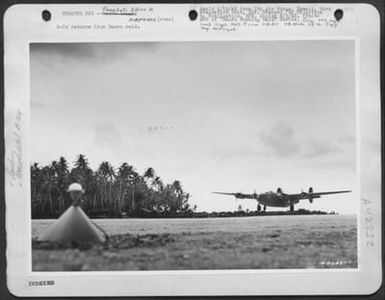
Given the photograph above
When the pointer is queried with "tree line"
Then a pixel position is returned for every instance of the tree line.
(109, 192)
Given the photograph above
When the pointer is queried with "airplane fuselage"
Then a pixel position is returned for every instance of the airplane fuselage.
(277, 199)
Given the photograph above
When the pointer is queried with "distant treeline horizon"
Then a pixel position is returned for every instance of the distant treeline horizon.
(118, 193)
(109, 192)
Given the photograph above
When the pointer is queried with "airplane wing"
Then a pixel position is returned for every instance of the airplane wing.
(238, 195)
(328, 193)
(221, 193)
(305, 195)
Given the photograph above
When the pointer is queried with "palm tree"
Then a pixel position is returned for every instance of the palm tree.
(148, 174)
(49, 178)
(131, 178)
(82, 172)
(106, 171)
(157, 184)
(177, 186)
(62, 172)
(36, 183)
(105, 177)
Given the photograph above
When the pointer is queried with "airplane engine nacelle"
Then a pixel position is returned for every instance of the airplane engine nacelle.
(310, 192)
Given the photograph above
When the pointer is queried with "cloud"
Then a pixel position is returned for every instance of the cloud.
(84, 52)
(235, 150)
(74, 50)
(280, 139)
(106, 134)
(316, 148)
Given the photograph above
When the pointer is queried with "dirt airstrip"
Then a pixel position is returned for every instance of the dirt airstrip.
(270, 242)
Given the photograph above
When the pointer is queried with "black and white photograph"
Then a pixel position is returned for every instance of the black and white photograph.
(192, 150)
(193, 155)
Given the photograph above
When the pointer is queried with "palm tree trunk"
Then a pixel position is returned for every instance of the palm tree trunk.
(119, 198)
(133, 199)
(94, 208)
(101, 197)
(50, 199)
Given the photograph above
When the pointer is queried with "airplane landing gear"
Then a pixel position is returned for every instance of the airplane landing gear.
(292, 208)
(259, 207)
(264, 208)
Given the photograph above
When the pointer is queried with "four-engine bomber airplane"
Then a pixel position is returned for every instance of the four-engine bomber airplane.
(281, 199)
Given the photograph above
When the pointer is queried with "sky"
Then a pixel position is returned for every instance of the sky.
(218, 116)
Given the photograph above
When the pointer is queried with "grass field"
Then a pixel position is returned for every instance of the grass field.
(268, 242)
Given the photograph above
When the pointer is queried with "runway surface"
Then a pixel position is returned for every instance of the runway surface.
(268, 242)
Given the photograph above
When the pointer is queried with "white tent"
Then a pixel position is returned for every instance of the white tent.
(73, 226)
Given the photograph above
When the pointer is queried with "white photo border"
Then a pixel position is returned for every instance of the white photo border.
(23, 25)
